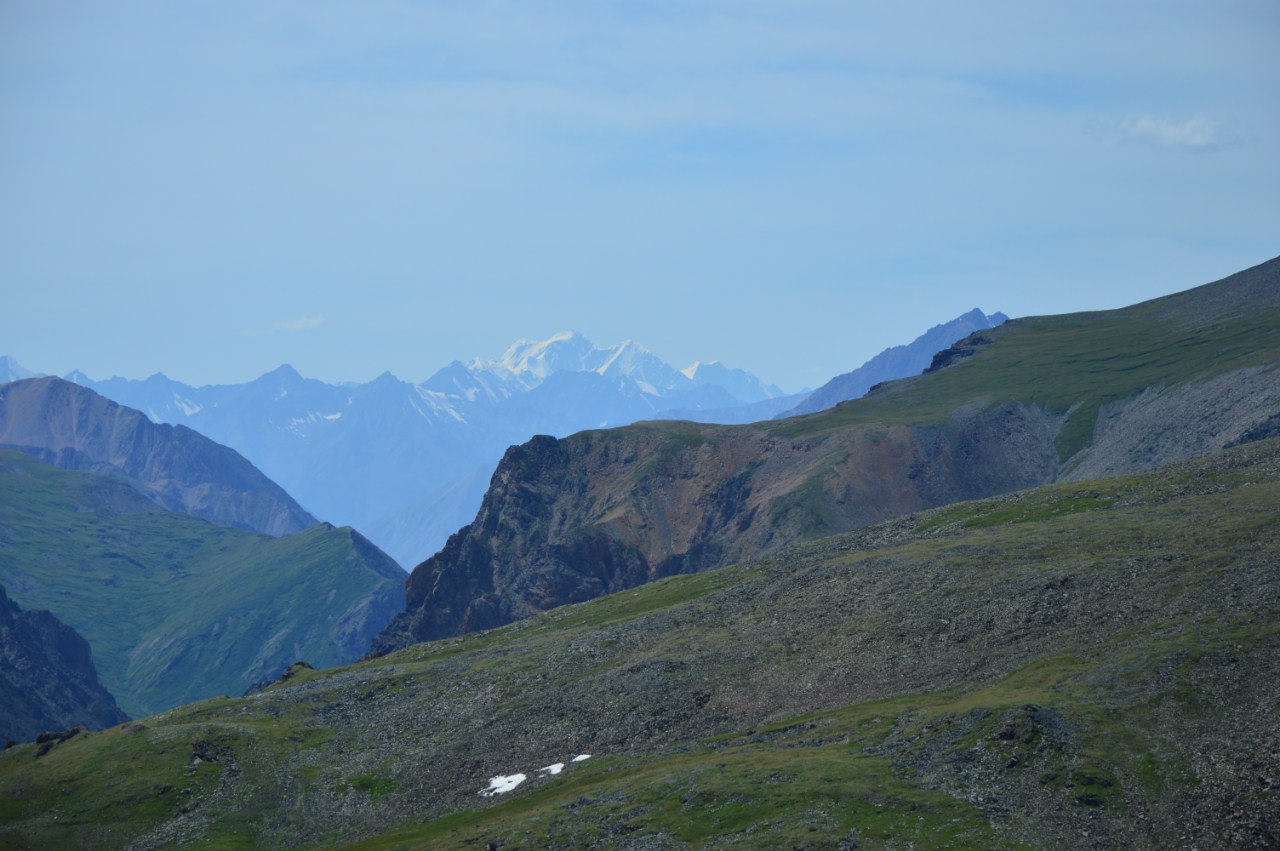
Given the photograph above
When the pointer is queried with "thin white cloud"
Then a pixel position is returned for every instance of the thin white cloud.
(1194, 134)
(301, 323)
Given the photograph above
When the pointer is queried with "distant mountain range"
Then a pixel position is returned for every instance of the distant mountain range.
(408, 464)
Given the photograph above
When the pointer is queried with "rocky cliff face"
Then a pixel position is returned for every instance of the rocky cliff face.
(47, 677)
(1028, 403)
(74, 428)
(568, 520)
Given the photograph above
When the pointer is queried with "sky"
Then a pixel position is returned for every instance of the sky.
(211, 189)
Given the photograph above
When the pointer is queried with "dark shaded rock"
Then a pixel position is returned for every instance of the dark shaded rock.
(47, 679)
(289, 673)
(966, 348)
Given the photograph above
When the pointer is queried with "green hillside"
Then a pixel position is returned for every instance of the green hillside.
(176, 608)
(1080, 665)
(1075, 363)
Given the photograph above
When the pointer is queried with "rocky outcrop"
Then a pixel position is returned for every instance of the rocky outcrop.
(568, 520)
(965, 348)
(1025, 403)
(47, 677)
(74, 428)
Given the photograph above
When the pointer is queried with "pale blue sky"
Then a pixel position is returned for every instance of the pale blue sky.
(211, 189)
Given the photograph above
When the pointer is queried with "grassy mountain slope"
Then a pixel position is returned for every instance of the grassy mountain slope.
(177, 608)
(1085, 665)
(1029, 402)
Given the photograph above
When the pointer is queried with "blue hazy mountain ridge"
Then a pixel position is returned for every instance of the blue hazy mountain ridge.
(407, 463)
(895, 362)
(11, 370)
(75, 428)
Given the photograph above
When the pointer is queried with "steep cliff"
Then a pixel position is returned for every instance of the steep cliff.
(74, 428)
(47, 677)
(1021, 404)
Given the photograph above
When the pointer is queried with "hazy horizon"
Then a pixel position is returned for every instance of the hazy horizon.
(212, 190)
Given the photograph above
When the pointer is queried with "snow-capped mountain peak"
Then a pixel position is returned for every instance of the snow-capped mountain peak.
(11, 370)
(742, 384)
(534, 360)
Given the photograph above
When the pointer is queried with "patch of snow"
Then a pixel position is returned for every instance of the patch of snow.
(502, 784)
(283, 393)
(552, 770)
(312, 417)
(188, 407)
(439, 404)
(582, 757)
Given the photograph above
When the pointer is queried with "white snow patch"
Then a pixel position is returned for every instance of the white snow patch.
(582, 757)
(188, 407)
(552, 770)
(502, 783)
(311, 418)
